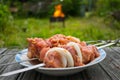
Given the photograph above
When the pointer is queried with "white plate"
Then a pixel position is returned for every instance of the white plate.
(22, 55)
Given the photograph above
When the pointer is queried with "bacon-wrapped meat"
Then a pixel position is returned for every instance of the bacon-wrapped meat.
(58, 57)
(61, 51)
(36, 46)
(81, 55)
(60, 39)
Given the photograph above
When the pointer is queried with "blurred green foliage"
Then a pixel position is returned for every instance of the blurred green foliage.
(44, 8)
(83, 28)
(23, 25)
(5, 17)
(110, 11)
(70, 7)
(105, 7)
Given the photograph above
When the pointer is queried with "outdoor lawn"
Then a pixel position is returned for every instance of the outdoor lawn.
(85, 29)
(87, 20)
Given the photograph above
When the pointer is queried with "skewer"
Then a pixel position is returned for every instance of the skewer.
(98, 44)
(109, 44)
(22, 70)
(35, 58)
(18, 62)
(102, 42)
(88, 42)
(92, 41)
(42, 64)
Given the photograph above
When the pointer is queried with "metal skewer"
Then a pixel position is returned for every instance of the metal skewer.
(92, 41)
(109, 44)
(37, 58)
(18, 62)
(101, 43)
(42, 64)
(22, 70)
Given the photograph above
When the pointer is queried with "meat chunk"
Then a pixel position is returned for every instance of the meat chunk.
(53, 60)
(73, 52)
(89, 53)
(79, 53)
(60, 39)
(36, 46)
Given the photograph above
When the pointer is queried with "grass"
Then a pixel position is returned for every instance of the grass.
(83, 28)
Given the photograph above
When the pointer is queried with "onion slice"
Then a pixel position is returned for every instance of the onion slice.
(77, 48)
(67, 59)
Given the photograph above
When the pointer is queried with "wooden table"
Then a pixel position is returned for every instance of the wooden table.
(109, 69)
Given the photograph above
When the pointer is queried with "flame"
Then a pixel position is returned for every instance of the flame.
(58, 11)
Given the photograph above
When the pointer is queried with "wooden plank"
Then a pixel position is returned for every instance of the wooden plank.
(77, 76)
(14, 52)
(2, 50)
(39, 75)
(115, 55)
(29, 75)
(64, 78)
(8, 59)
(109, 64)
(116, 49)
(106, 70)
(20, 76)
(10, 68)
(46, 77)
(5, 52)
(4, 59)
(95, 73)
(92, 73)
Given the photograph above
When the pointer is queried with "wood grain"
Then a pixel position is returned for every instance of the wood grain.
(108, 69)
(9, 59)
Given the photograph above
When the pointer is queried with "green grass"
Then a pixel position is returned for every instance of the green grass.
(83, 28)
